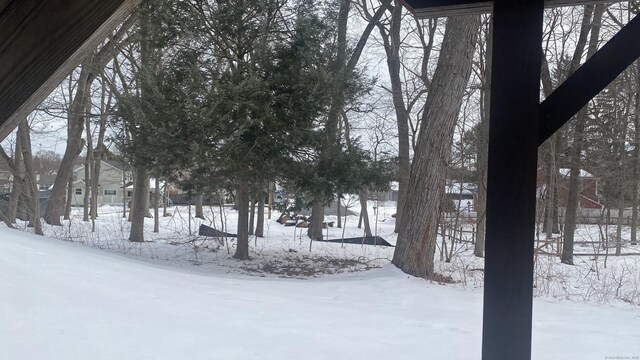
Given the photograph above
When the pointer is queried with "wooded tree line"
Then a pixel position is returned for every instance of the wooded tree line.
(236, 95)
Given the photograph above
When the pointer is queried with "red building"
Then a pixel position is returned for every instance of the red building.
(588, 195)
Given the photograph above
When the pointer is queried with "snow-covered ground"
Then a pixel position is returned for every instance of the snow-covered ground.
(183, 297)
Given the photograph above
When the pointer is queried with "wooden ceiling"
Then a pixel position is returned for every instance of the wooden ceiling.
(442, 8)
(41, 42)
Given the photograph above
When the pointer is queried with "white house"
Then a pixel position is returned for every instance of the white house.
(113, 179)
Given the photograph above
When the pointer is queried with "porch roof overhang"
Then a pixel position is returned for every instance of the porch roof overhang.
(41, 42)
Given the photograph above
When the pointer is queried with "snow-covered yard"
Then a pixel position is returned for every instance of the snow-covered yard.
(183, 297)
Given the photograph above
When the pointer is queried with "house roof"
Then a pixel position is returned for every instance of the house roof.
(112, 163)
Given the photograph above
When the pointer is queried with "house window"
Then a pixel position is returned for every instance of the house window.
(110, 192)
(79, 191)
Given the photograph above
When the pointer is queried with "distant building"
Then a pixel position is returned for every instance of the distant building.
(588, 192)
(111, 184)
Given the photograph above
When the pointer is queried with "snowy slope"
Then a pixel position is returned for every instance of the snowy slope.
(64, 301)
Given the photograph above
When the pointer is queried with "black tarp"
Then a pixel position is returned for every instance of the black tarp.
(367, 240)
(205, 230)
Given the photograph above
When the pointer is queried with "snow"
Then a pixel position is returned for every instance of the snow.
(61, 300)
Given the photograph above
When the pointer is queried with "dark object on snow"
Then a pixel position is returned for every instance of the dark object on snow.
(369, 240)
(205, 230)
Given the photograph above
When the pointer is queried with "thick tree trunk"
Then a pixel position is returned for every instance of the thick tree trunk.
(260, 217)
(31, 185)
(242, 199)
(75, 143)
(139, 205)
(364, 211)
(199, 210)
(417, 239)
(317, 218)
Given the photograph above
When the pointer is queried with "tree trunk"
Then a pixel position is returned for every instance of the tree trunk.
(88, 161)
(271, 190)
(578, 135)
(88, 73)
(95, 183)
(5, 219)
(339, 211)
(69, 200)
(317, 218)
(392, 42)
(31, 185)
(199, 210)
(551, 174)
(165, 200)
(483, 149)
(636, 158)
(619, 222)
(364, 211)
(105, 105)
(139, 204)
(75, 143)
(417, 238)
(16, 189)
(242, 199)
(156, 210)
(574, 189)
(260, 217)
(124, 193)
(252, 215)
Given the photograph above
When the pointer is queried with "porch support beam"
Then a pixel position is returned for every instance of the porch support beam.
(590, 78)
(511, 187)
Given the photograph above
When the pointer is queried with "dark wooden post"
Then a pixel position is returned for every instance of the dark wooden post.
(513, 146)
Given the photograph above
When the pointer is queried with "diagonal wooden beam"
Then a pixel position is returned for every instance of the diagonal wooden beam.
(591, 78)
(41, 42)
